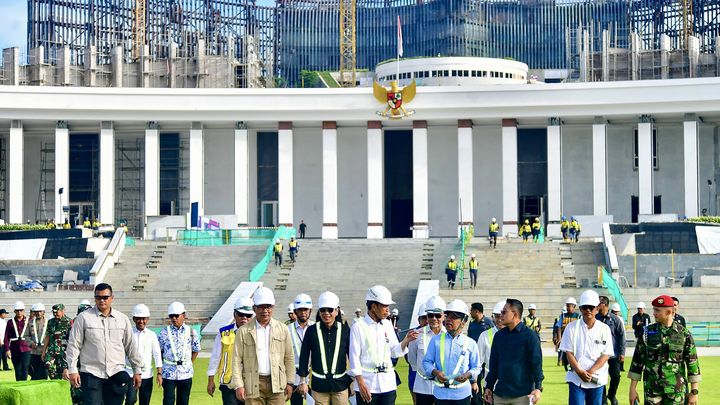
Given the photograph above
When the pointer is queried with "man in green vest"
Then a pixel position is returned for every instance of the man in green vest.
(222, 353)
(473, 266)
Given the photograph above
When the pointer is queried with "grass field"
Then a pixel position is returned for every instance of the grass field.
(555, 387)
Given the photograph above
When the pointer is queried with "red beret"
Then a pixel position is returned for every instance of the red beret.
(663, 301)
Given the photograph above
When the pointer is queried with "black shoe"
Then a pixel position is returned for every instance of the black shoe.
(613, 401)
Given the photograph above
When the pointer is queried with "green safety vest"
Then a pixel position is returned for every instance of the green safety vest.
(456, 370)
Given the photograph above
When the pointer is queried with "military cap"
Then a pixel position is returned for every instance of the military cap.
(58, 307)
(663, 301)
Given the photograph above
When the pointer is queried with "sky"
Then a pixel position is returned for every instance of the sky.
(13, 24)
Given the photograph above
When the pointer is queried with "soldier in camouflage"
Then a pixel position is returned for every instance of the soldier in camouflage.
(666, 353)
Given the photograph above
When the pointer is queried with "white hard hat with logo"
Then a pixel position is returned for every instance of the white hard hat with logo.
(302, 301)
(615, 307)
(458, 306)
(435, 305)
(176, 308)
(19, 306)
(263, 296)
(141, 311)
(328, 300)
(571, 300)
(37, 307)
(589, 297)
(379, 294)
(532, 306)
(244, 305)
(421, 310)
(497, 309)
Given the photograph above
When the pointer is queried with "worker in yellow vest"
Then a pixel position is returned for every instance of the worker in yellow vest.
(222, 353)
(486, 338)
(96, 224)
(536, 230)
(51, 224)
(277, 252)
(493, 230)
(86, 223)
(574, 230)
(293, 248)
(473, 266)
(451, 271)
(565, 228)
(525, 231)
(532, 321)
(66, 225)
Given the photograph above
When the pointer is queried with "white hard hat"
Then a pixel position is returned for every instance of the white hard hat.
(571, 300)
(328, 300)
(263, 296)
(641, 305)
(358, 310)
(452, 257)
(395, 311)
(302, 301)
(85, 302)
(589, 297)
(176, 308)
(615, 307)
(19, 305)
(458, 306)
(277, 240)
(421, 310)
(494, 219)
(342, 313)
(291, 308)
(141, 311)
(564, 310)
(532, 306)
(244, 305)
(472, 255)
(435, 305)
(38, 307)
(497, 309)
(379, 294)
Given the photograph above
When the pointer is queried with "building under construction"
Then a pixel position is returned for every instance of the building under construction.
(239, 43)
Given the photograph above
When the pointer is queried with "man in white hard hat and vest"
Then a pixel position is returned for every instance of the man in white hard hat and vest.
(16, 342)
(223, 350)
(37, 328)
(423, 385)
(412, 372)
(148, 346)
(452, 359)
(263, 361)
(588, 344)
(566, 317)
(303, 309)
(180, 347)
(324, 355)
(291, 314)
(373, 344)
(486, 338)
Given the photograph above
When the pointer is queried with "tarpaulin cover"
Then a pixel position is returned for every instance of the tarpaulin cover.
(708, 239)
(22, 249)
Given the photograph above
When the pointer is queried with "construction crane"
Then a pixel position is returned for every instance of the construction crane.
(139, 13)
(348, 46)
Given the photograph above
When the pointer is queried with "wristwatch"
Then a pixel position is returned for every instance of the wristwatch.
(694, 391)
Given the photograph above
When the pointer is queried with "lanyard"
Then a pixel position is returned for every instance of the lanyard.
(182, 338)
(338, 338)
(296, 341)
(42, 338)
(374, 352)
(459, 360)
(19, 336)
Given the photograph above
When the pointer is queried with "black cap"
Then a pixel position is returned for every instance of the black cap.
(3, 311)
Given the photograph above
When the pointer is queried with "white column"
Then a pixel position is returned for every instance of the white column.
(509, 177)
(285, 174)
(465, 173)
(645, 166)
(242, 173)
(599, 153)
(420, 180)
(197, 166)
(690, 152)
(152, 170)
(375, 180)
(107, 173)
(554, 173)
(62, 170)
(16, 177)
(330, 186)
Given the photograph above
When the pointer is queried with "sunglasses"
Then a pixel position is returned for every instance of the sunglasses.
(587, 308)
(326, 310)
(173, 316)
(243, 315)
(103, 297)
(436, 316)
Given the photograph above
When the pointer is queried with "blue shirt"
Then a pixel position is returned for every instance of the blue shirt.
(186, 342)
(515, 362)
(477, 328)
(460, 348)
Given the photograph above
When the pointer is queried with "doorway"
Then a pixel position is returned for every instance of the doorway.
(398, 183)
(84, 177)
(532, 174)
(635, 207)
(267, 178)
(269, 214)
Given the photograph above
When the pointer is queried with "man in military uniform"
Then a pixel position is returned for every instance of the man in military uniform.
(666, 353)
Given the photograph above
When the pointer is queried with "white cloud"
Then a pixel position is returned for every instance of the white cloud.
(13, 23)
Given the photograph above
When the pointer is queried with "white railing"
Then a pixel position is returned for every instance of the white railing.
(108, 258)
(610, 253)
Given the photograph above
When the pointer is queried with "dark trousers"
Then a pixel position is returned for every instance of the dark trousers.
(228, 396)
(3, 359)
(278, 258)
(473, 278)
(612, 386)
(295, 398)
(37, 368)
(477, 398)
(424, 399)
(98, 391)
(145, 393)
(21, 364)
(176, 388)
(464, 401)
(386, 398)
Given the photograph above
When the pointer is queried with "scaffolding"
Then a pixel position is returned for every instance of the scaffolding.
(46, 191)
(130, 183)
(3, 179)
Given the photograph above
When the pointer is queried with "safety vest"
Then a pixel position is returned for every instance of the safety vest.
(66, 225)
(452, 265)
(185, 355)
(536, 225)
(277, 248)
(456, 370)
(575, 225)
(494, 227)
(525, 229)
(96, 224)
(532, 323)
(329, 372)
(86, 223)
(20, 335)
(564, 224)
(296, 341)
(379, 356)
(40, 341)
(473, 264)
(51, 225)
(227, 341)
(292, 244)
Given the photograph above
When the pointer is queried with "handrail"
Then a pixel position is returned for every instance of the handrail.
(108, 257)
(610, 252)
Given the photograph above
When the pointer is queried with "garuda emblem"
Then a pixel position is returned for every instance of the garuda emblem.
(394, 98)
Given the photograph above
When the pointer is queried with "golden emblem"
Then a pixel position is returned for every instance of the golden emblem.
(394, 98)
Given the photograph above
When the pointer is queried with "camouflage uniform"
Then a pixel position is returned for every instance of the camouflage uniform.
(58, 330)
(665, 354)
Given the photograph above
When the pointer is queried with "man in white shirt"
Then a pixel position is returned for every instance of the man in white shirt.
(423, 385)
(485, 339)
(3, 324)
(588, 345)
(302, 306)
(372, 345)
(148, 346)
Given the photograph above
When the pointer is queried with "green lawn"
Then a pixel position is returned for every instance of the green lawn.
(555, 388)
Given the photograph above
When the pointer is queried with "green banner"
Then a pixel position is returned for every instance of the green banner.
(614, 289)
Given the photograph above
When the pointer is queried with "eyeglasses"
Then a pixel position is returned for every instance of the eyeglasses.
(242, 314)
(103, 297)
(506, 311)
(173, 316)
(326, 310)
(436, 316)
(587, 308)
